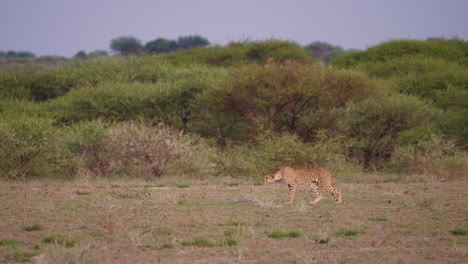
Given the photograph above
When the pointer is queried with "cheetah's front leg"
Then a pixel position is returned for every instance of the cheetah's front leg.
(292, 190)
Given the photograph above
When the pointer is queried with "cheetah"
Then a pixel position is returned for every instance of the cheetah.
(315, 177)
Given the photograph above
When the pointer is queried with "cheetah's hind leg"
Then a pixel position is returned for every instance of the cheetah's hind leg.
(317, 193)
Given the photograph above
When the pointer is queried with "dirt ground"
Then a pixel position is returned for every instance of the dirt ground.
(231, 222)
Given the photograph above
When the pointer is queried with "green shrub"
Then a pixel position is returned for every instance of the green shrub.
(290, 97)
(452, 50)
(26, 147)
(376, 124)
(280, 51)
(241, 53)
(84, 148)
(274, 151)
(171, 101)
(453, 124)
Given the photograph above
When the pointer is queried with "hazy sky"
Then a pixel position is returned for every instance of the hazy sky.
(64, 27)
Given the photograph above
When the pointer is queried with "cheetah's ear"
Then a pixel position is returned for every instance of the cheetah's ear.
(278, 175)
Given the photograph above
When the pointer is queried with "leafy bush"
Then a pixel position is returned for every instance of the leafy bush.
(241, 53)
(290, 97)
(84, 148)
(171, 101)
(274, 151)
(451, 50)
(25, 147)
(431, 156)
(376, 124)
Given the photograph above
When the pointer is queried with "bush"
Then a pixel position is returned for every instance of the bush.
(171, 101)
(451, 50)
(145, 150)
(241, 53)
(26, 147)
(376, 124)
(84, 148)
(274, 151)
(290, 97)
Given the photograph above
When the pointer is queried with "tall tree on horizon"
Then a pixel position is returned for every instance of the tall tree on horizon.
(126, 45)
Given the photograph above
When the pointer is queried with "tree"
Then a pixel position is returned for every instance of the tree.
(11, 54)
(25, 54)
(376, 124)
(161, 45)
(80, 55)
(126, 45)
(98, 53)
(324, 51)
(193, 41)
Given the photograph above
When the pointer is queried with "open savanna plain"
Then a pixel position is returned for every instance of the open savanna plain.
(230, 221)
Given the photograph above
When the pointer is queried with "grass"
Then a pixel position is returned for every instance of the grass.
(35, 227)
(198, 242)
(19, 255)
(182, 184)
(279, 234)
(459, 231)
(59, 240)
(216, 223)
(348, 232)
(378, 219)
(11, 242)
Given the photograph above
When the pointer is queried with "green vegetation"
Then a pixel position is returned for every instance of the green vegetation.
(35, 227)
(59, 240)
(459, 231)
(349, 232)
(198, 242)
(11, 242)
(239, 110)
(280, 234)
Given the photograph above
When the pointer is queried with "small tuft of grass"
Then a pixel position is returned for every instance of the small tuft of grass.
(19, 255)
(10, 242)
(348, 232)
(59, 240)
(35, 227)
(229, 241)
(319, 240)
(279, 234)
(182, 185)
(198, 242)
(182, 201)
(81, 192)
(160, 185)
(323, 240)
(459, 231)
(167, 245)
(378, 219)
(232, 184)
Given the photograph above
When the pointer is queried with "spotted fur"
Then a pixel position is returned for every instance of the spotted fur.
(315, 177)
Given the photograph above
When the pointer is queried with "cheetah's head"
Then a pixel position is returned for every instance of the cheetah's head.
(269, 178)
(272, 177)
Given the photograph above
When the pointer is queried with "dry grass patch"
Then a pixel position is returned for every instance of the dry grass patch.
(137, 222)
